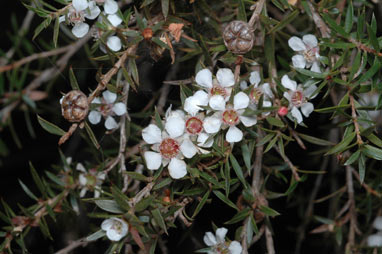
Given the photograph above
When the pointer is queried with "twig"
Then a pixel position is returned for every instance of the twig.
(243, 236)
(324, 29)
(290, 164)
(122, 139)
(140, 195)
(269, 240)
(352, 212)
(257, 165)
(354, 119)
(73, 245)
(256, 13)
(366, 186)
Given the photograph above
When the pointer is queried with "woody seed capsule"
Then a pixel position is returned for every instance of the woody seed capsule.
(238, 37)
(74, 106)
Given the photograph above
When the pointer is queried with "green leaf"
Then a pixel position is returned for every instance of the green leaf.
(271, 144)
(96, 235)
(201, 204)
(274, 121)
(332, 109)
(223, 198)
(162, 183)
(265, 140)
(144, 203)
(353, 158)
(210, 179)
(241, 14)
(314, 140)
(160, 43)
(56, 31)
(333, 25)
(91, 135)
(37, 180)
(362, 167)
(342, 145)
(239, 216)
(372, 38)
(355, 66)
(165, 8)
(370, 73)
(285, 21)
(120, 198)
(246, 156)
(158, 119)
(268, 211)
(372, 152)
(312, 74)
(238, 170)
(374, 139)
(73, 80)
(49, 127)
(42, 26)
(109, 205)
(134, 70)
(159, 219)
(27, 191)
(349, 17)
(136, 176)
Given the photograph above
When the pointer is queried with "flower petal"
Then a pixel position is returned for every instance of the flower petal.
(243, 85)
(80, 30)
(201, 97)
(307, 108)
(177, 168)
(287, 96)
(296, 114)
(212, 124)
(248, 121)
(80, 5)
(175, 126)
(94, 117)
(152, 134)
(315, 67)
(93, 11)
(310, 40)
(153, 160)
(288, 83)
(107, 224)
(110, 123)
(374, 240)
(296, 44)
(240, 101)
(209, 239)
(188, 148)
(217, 102)
(110, 6)
(298, 61)
(308, 91)
(118, 230)
(254, 78)
(225, 77)
(267, 90)
(114, 19)
(202, 138)
(234, 134)
(378, 223)
(109, 97)
(235, 247)
(220, 234)
(204, 78)
(119, 109)
(114, 43)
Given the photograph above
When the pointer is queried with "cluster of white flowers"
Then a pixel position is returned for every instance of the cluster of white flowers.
(218, 245)
(80, 10)
(375, 240)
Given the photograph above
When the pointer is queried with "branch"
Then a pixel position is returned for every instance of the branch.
(354, 119)
(73, 245)
(321, 25)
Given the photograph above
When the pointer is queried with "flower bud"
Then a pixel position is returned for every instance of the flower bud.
(282, 111)
(147, 33)
(238, 37)
(74, 106)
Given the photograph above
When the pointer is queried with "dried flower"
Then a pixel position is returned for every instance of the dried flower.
(74, 106)
(238, 37)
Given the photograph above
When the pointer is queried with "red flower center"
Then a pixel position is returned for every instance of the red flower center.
(297, 98)
(230, 117)
(255, 94)
(194, 125)
(169, 148)
(218, 90)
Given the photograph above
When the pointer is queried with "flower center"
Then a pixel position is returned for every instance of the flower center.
(310, 55)
(169, 148)
(297, 98)
(255, 94)
(194, 125)
(230, 117)
(117, 226)
(218, 90)
(76, 17)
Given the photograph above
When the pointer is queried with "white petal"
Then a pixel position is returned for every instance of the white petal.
(188, 148)
(315, 67)
(110, 123)
(212, 124)
(234, 134)
(374, 240)
(296, 114)
(107, 224)
(82, 179)
(209, 239)
(217, 102)
(254, 78)
(240, 101)
(152, 134)
(243, 85)
(119, 109)
(307, 108)
(80, 30)
(109, 97)
(110, 6)
(287, 96)
(93, 11)
(248, 121)
(310, 40)
(235, 247)
(114, 43)
(225, 77)
(204, 78)
(177, 168)
(83, 192)
(94, 117)
(267, 90)
(61, 19)
(118, 230)
(175, 126)
(288, 83)
(378, 223)
(80, 5)
(97, 100)
(191, 105)
(220, 234)
(114, 19)
(298, 61)
(201, 97)
(153, 160)
(296, 44)
(80, 167)
(202, 138)
(308, 91)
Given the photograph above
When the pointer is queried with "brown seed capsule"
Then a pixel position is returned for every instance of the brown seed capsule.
(238, 37)
(74, 106)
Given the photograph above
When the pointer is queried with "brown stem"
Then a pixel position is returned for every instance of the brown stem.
(352, 212)
(73, 245)
(324, 29)
(355, 121)
(269, 241)
(256, 13)
(290, 164)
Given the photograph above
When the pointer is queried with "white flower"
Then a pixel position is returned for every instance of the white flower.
(298, 98)
(371, 99)
(219, 245)
(307, 52)
(110, 7)
(114, 43)
(378, 223)
(90, 180)
(169, 146)
(256, 90)
(192, 104)
(218, 89)
(114, 19)
(115, 228)
(375, 240)
(230, 116)
(107, 108)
